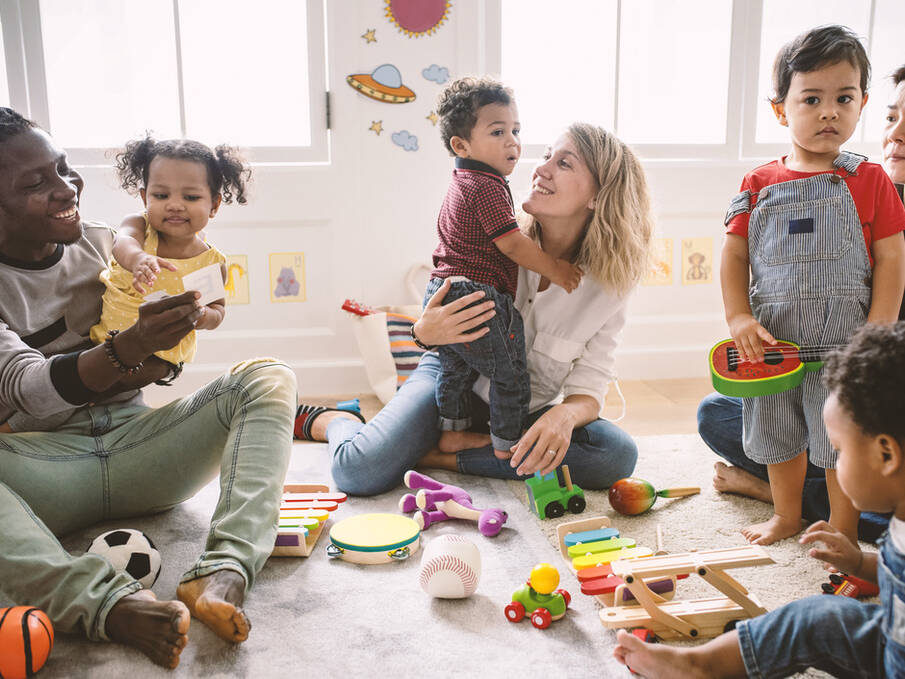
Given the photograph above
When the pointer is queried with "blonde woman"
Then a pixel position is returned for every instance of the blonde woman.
(589, 204)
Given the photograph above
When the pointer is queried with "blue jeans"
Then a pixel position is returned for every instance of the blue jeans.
(372, 458)
(720, 426)
(835, 634)
(499, 356)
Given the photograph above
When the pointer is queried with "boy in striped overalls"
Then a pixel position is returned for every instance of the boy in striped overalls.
(818, 230)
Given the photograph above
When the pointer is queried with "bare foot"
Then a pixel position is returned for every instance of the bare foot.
(502, 454)
(216, 600)
(736, 480)
(775, 528)
(159, 629)
(434, 459)
(454, 441)
(655, 660)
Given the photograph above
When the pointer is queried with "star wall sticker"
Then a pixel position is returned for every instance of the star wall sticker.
(433, 117)
(369, 36)
(376, 127)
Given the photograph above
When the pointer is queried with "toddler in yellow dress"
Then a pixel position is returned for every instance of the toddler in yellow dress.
(182, 184)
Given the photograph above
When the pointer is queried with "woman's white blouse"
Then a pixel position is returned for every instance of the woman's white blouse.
(569, 339)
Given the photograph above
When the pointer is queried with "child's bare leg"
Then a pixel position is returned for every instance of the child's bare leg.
(454, 441)
(720, 657)
(786, 485)
(843, 515)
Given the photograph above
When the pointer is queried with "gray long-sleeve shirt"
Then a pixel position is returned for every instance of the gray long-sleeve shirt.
(46, 310)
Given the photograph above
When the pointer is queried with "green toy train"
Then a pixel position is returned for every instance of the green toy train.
(551, 494)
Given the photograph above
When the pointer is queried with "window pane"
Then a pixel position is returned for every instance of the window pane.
(111, 70)
(245, 69)
(560, 57)
(4, 83)
(674, 58)
(886, 55)
(782, 21)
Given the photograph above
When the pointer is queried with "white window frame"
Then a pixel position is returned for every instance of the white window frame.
(742, 103)
(24, 49)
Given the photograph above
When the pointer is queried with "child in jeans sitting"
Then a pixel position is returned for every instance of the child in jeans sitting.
(481, 248)
(836, 634)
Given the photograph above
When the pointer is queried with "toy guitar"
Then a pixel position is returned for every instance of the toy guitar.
(783, 368)
(357, 308)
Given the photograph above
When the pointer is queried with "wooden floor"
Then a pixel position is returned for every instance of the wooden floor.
(652, 406)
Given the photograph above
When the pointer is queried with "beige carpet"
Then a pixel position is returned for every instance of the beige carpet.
(314, 617)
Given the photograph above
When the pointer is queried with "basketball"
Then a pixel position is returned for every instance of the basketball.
(26, 639)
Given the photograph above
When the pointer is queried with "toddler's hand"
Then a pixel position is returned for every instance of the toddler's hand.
(749, 336)
(145, 268)
(838, 551)
(567, 275)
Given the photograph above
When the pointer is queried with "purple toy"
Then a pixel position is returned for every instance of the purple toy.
(437, 501)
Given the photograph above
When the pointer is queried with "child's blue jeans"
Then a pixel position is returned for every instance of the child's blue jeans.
(836, 634)
(499, 355)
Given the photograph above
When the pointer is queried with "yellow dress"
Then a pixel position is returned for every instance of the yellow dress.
(121, 300)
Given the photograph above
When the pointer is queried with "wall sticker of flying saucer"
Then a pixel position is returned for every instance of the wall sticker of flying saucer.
(384, 83)
(417, 17)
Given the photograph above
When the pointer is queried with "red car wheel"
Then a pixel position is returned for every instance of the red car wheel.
(541, 618)
(565, 595)
(515, 611)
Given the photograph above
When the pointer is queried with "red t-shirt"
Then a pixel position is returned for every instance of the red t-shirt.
(876, 200)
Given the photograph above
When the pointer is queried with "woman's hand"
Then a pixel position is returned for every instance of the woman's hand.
(838, 551)
(547, 440)
(160, 326)
(454, 322)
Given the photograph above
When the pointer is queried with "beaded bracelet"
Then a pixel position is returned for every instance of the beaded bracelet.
(418, 342)
(110, 350)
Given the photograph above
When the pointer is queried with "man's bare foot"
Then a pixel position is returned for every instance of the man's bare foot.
(435, 459)
(736, 480)
(655, 660)
(216, 600)
(454, 441)
(775, 528)
(159, 629)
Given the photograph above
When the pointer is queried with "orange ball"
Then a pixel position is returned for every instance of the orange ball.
(26, 639)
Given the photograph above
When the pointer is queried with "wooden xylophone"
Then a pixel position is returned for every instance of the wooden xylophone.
(303, 512)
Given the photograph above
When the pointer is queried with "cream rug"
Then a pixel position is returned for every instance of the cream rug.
(316, 617)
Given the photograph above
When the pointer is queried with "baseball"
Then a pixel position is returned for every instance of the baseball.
(450, 567)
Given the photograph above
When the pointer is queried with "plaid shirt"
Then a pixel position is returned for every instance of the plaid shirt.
(477, 211)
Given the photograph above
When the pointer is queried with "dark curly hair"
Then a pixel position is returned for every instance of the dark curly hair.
(458, 105)
(814, 49)
(227, 171)
(13, 123)
(898, 75)
(867, 377)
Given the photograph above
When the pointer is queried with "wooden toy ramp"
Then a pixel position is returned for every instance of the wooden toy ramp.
(303, 512)
(690, 619)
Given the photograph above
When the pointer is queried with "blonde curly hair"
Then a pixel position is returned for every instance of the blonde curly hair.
(615, 247)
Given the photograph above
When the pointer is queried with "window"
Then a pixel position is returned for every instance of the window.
(101, 72)
(636, 67)
(4, 81)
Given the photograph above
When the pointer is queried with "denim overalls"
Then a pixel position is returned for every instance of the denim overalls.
(811, 285)
(836, 634)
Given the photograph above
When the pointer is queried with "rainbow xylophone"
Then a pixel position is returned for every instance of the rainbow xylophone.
(304, 510)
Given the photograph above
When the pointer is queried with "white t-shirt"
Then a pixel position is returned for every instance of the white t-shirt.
(569, 339)
(897, 534)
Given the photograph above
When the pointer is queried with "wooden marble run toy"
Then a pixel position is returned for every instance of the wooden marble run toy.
(693, 618)
(551, 494)
(303, 511)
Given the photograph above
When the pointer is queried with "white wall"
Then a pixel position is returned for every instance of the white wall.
(370, 214)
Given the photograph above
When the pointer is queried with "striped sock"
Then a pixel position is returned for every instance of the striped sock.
(305, 416)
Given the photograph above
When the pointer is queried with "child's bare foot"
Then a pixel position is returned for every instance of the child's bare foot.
(775, 528)
(502, 454)
(455, 441)
(655, 660)
(159, 629)
(728, 479)
(216, 600)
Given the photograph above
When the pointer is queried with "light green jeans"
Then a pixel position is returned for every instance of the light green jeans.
(119, 461)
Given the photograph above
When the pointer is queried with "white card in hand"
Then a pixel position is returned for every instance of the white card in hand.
(208, 281)
(154, 296)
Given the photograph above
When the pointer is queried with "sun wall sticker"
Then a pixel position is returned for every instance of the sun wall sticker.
(416, 18)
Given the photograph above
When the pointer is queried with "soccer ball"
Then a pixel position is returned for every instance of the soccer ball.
(129, 550)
